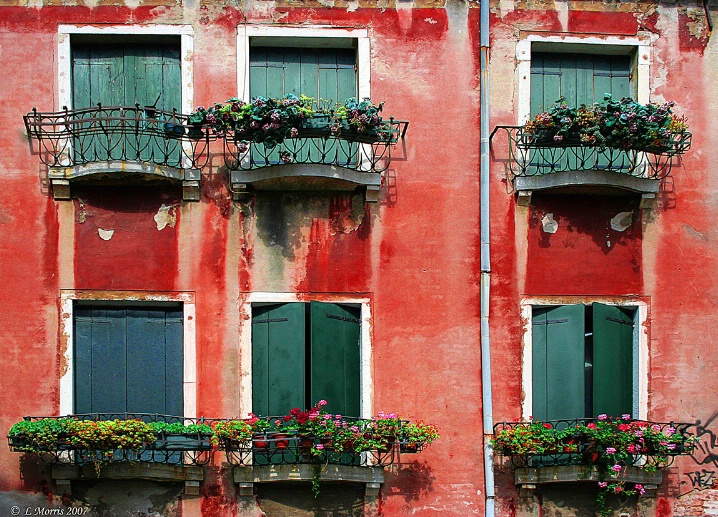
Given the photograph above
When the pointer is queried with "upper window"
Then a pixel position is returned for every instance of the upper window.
(321, 73)
(128, 360)
(583, 361)
(125, 74)
(303, 353)
(580, 78)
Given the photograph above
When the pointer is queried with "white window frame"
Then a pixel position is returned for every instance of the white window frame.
(640, 346)
(64, 55)
(68, 297)
(598, 45)
(245, 343)
(315, 35)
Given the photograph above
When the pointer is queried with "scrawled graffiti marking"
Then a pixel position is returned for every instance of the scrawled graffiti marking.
(702, 479)
(706, 450)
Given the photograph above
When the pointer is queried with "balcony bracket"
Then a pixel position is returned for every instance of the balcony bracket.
(246, 476)
(192, 476)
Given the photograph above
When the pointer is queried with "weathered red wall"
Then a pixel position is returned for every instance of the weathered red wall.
(665, 257)
(412, 254)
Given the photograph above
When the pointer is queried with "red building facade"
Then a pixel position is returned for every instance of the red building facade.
(95, 239)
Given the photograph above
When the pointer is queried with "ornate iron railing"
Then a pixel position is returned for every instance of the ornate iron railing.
(575, 447)
(530, 155)
(193, 448)
(117, 133)
(319, 144)
(292, 447)
(267, 447)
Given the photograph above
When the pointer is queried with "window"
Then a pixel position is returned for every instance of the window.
(321, 73)
(128, 359)
(580, 78)
(305, 352)
(122, 74)
(583, 361)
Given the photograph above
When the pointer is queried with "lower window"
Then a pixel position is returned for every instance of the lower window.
(303, 353)
(583, 361)
(128, 359)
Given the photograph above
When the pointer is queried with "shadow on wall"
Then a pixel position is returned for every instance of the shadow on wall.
(297, 500)
(409, 480)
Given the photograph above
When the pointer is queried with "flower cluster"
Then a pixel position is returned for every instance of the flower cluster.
(271, 121)
(262, 120)
(621, 124)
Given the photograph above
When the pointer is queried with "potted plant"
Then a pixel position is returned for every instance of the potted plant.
(619, 124)
(416, 436)
(177, 436)
(233, 434)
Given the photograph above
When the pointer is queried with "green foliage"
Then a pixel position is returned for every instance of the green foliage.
(179, 428)
(270, 121)
(620, 124)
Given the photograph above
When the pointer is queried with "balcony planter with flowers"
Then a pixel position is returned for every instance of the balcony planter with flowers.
(272, 143)
(325, 446)
(618, 453)
(92, 438)
(612, 143)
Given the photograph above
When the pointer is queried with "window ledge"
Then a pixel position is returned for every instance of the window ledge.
(191, 475)
(588, 182)
(123, 172)
(298, 176)
(529, 477)
(246, 476)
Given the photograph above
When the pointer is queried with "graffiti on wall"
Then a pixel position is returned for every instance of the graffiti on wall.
(705, 455)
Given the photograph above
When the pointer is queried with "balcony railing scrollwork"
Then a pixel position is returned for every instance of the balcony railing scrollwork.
(110, 139)
(533, 155)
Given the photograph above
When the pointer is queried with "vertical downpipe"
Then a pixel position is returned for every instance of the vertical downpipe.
(487, 405)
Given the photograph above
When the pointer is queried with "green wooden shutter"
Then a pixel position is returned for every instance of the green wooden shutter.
(581, 78)
(320, 73)
(335, 358)
(122, 75)
(129, 360)
(612, 360)
(328, 74)
(558, 362)
(278, 358)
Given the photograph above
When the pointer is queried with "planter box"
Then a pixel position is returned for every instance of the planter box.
(182, 442)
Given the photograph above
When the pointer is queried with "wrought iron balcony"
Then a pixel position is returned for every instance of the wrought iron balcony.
(193, 447)
(627, 442)
(536, 163)
(340, 156)
(530, 155)
(118, 140)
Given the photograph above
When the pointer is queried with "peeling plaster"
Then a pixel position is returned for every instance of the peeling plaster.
(81, 213)
(549, 225)
(105, 235)
(622, 221)
(166, 216)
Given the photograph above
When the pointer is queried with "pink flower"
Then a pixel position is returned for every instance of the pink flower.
(616, 468)
(321, 403)
(670, 431)
(632, 448)
(626, 416)
(591, 425)
(656, 428)
(603, 416)
(319, 446)
(639, 488)
(618, 489)
(603, 484)
(610, 450)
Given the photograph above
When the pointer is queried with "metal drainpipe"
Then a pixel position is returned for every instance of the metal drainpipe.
(486, 402)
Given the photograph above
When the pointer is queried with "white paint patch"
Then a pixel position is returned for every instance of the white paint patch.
(166, 216)
(622, 221)
(431, 21)
(562, 11)
(549, 224)
(105, 235)
(353, 6)
(132, 4)
(506, 6)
